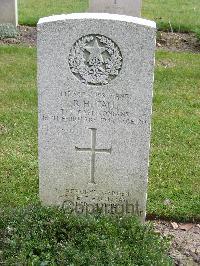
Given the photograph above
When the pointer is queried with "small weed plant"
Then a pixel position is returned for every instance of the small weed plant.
(8, 31)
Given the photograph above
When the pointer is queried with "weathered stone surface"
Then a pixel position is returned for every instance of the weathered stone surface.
(124, 7)
(95, 80)
(8, 12)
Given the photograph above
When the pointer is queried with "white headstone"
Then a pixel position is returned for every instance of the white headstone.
(8, 12)
(124, 7)
(95, 80)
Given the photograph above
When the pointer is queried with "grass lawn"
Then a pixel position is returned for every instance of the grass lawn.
(174, 164)
(18, 126)
(174, 167)
(183, 15)
(31, 10)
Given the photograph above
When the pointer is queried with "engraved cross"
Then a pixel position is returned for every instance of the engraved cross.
(93, 151)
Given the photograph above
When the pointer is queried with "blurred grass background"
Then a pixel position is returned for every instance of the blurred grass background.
(176, 15)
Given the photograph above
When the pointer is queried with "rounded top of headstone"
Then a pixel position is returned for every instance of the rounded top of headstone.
(99, 16)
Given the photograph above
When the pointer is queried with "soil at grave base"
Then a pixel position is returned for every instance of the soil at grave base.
(182, 42)
(178, 42)
(185, 241)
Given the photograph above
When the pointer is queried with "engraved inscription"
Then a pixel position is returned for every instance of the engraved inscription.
(95, 60)
(101, 107)
(93, 151)
(106, 202)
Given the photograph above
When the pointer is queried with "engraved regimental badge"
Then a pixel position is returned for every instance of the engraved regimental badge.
(95, 60)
